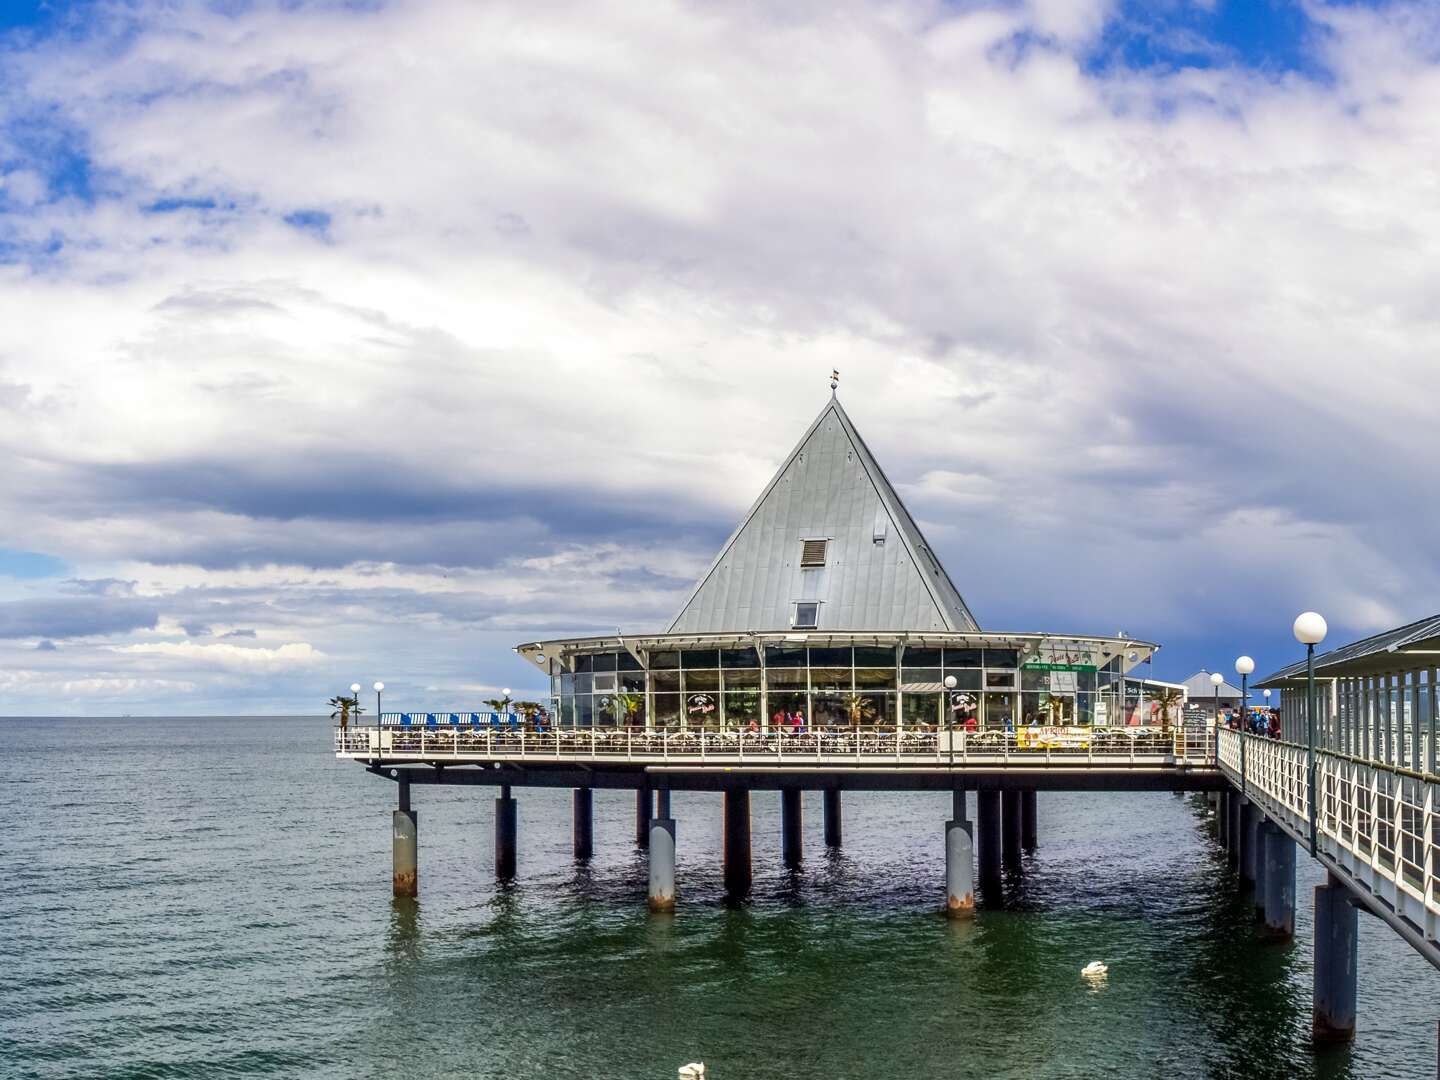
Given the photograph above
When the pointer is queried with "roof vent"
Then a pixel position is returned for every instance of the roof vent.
(812, 552)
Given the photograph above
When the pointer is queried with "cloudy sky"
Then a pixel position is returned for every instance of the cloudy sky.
(365, 340)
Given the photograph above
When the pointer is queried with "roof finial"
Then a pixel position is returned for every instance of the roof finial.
(834, 380)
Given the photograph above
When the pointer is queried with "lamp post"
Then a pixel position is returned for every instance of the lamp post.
(505, 693)
(379, 729)
(950, 684)
(1309, 630)
(355, 697)
(1243, 667)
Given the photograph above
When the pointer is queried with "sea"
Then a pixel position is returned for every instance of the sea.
(210, 897)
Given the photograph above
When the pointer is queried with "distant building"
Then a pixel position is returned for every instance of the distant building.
(1201, 694)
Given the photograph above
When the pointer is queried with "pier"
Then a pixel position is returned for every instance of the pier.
(868, 672)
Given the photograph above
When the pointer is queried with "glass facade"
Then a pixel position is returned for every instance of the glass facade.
(836, 686)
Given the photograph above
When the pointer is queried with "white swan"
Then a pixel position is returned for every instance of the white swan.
(1094, 969)
(693, 1071)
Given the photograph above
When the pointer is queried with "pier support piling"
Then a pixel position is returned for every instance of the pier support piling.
(1257, 862)
(505, 817)
(404, 853)
(1011, 826)
(736, 843)
(1222, 818)
(987, 814)
(662, 859)
(1279, 883)
(1333, 1017)
(1249, 828)
(643, 802)
(959, 862)
(1029, 819)
(791, 826)
(1233, 827)
(832, 817)
(584, 818)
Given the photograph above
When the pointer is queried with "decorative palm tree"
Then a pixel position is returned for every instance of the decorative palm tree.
(1167, 699)
(627, 704)
(860, 707)
(341, 707)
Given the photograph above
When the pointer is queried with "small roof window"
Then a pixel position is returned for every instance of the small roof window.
(812, 552)
(807, 613)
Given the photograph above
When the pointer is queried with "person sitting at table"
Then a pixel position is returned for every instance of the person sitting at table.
(798, 722)
(780, 721)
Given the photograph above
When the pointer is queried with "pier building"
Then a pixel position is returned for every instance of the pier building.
(827, 650)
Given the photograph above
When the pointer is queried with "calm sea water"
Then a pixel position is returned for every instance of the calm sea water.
(210, 898)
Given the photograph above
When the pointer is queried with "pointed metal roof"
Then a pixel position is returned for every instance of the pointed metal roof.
(879, 571)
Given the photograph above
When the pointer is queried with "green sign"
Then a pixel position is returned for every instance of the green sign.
(1060, 667)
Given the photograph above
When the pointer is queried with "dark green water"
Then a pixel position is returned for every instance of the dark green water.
(210, 898)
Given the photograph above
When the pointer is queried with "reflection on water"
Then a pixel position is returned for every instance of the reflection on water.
(260, 904)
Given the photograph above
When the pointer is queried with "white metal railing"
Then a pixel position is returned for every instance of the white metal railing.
(1068, 746)
(1378, 823)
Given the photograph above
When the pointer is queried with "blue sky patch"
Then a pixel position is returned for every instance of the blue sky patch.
(28, 565)
(312, 221)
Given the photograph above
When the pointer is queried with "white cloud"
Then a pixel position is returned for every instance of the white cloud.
(573, 305)
(222, 657)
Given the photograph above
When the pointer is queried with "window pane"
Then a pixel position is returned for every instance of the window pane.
(965, 678)
(996, 679)
(625, 662)
(964, 710)
(702, 709)
(666, 682)
(922, 709)
(871, 656)
(742, 680)
(583, 663)
(830, 710)
(922, 658)
(807, 615)
(739, 658)
(664, 659)
(834, 678)
(667, 709)
(584, 713)
(876, 678)
(785, 656)
(836, 657)
(921, 678)
(785, 678)
(1001, 658)
(999, 710)
(582, 684)
(605, 661)
(741, 708)
(700, 658)
(701, 680)
(962, 658)
(633, 682)
(1034, 680)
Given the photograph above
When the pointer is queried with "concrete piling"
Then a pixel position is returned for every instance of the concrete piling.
(987, 814)
(1010, 826)
(1222, 818)
(662, 861)
(832, 817)
(1029, 819)
(959, 862)
(736, 843)
(1249, 823)
(1279, 884)
(791, 826)
(505, 818)
(1333, 1014)
(1233, 827)
(583, 819)
(1257, 862)
(404, 846)
(642, 816)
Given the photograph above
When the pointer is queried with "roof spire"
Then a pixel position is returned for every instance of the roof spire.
(834, 380)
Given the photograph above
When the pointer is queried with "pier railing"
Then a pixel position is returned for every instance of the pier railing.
(1376, 822)
(503, 742)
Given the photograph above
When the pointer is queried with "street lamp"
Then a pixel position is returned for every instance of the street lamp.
(379, 686)
(1310, 631)
(950, 684)
(355, 697)
(1243, 667)
(505, 693)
